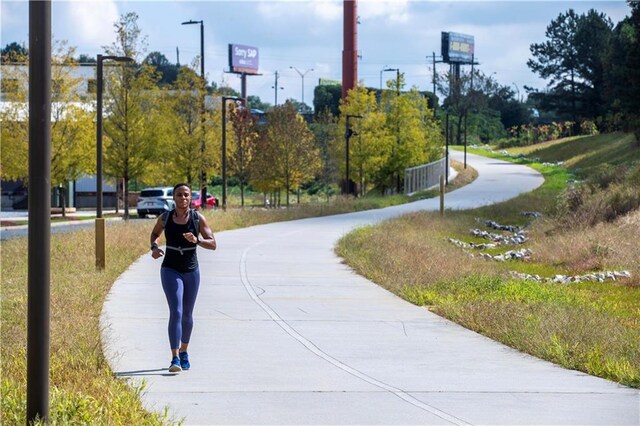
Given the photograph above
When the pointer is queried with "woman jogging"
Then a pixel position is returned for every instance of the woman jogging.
(179, 272)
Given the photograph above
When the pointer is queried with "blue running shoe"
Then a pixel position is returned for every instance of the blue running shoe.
(175, 365)
(184, 361)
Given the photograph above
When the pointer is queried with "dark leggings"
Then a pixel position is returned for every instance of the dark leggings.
(181, 289)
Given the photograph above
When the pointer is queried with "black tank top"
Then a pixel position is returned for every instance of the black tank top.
(187, 260)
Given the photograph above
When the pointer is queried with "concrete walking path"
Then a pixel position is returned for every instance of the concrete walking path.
(285, 333)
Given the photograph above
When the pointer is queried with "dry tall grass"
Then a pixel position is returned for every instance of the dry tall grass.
(593, 327)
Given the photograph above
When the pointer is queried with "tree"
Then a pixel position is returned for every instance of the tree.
(417, 136)
(254, 102)
(291, 148)
(372, 143)
(72, 124)
(14, 53)
(622, 77)
(327, 97)
(129, 148)
(168, 71)
(178, 132)
(572, 60)
(14, 117)
(86, 59)
(242, 151)
(325, 128)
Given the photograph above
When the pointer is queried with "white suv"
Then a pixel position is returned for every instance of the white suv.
(155, 201)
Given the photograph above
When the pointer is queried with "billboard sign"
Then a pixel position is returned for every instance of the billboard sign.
(457, 48)
(243, 59)
(329, 82)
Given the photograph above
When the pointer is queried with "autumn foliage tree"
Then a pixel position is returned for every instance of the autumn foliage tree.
(242, 150)
(287, 152)
(129, 148)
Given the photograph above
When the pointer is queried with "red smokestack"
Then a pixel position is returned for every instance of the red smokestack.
(350, 51)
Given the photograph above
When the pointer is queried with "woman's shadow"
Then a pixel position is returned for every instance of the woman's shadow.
(151, 372)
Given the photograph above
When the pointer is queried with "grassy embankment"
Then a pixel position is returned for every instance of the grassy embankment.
(592, 327)
(83, 388)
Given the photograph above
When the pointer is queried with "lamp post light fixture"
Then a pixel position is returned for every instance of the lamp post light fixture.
(381, 71)
(100, 225)
(301, 74)
(203, 173)
(224, 146)
(347, 136)
(192, 22)
(397, 70)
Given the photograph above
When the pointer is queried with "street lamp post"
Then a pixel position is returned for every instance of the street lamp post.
(397, 70)
(100, 225)
(224, 146)
(347, 136)
(301, 74)
(203, 173)
(381, 71)
(517, 91)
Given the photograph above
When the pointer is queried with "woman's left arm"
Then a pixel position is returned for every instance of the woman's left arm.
(208, 241)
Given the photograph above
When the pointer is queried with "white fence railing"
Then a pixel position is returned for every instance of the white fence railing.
(423, 177)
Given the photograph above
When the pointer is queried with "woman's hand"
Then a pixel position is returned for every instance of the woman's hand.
(157, 253)
(190, 237)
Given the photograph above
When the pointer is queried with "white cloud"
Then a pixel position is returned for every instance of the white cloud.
(396, 11)
(90, 22)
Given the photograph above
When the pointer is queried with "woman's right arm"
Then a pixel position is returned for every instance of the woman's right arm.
(154, 237)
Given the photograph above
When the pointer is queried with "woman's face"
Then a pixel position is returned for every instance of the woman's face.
(182, 197)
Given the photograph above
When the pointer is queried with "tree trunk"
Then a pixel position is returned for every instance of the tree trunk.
(126, 198)
(63, 201)
(242, 194)
(117, 196)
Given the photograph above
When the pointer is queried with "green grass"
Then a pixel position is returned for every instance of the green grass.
(592, 327)
(583, 153)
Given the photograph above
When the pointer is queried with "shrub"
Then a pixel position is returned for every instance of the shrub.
(588, 127)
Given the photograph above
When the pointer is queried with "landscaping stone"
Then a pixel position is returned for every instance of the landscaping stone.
(494, 225)
(518, 237)
(522, 254)
(567, 279)
(532, 214)
(482, 246)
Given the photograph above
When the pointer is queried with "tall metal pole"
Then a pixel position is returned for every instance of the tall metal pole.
(203, 171)
(446, 150)
(224, 152)
(301, 74)
(99, 73)
(435, 103)
(202, 49)
(347, 135)
(224, 145)
(39, 238)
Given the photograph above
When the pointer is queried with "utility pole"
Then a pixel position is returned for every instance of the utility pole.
(276, 87)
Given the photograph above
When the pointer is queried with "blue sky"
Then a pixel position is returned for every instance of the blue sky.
(308, 34)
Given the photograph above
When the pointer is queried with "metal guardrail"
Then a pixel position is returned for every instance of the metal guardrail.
(423, 177)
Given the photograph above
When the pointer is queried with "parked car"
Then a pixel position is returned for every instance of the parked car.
(196, 203)
(155, 201)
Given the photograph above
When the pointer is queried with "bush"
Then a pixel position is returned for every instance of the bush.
(588, 127)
